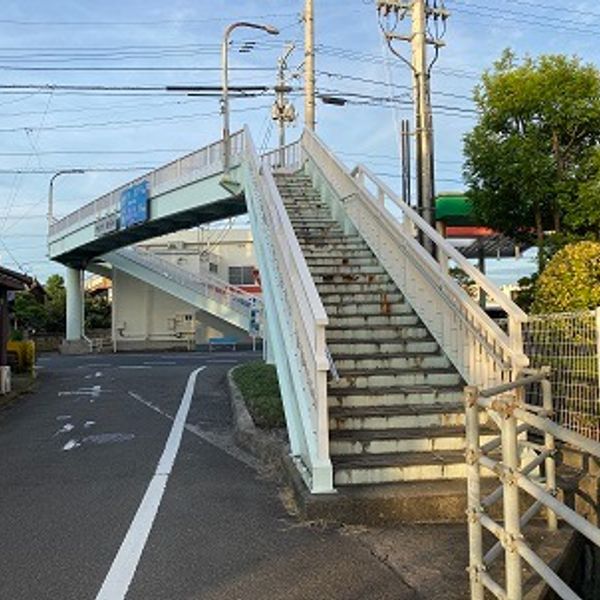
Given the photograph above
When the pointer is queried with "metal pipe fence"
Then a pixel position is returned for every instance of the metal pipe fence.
(510, 459)
(570, 344)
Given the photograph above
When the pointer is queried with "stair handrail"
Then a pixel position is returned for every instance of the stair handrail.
(288, 156)
(505, 350)
(214, 287)
(296, 322)
(209, 158)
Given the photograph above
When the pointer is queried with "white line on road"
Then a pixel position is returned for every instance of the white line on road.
(161, 363)
(221, 441)
(123, 568)
(134, 367)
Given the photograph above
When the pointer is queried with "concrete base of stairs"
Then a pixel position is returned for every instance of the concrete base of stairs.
(391, 504)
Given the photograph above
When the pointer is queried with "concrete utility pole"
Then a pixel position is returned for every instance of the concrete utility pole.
(422, 13)
(309, 65)
(283, 111)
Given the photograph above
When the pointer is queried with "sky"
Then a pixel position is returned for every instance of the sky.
(115, 135)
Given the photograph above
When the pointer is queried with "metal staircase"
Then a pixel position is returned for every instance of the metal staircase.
(395, 409)
(220, 301)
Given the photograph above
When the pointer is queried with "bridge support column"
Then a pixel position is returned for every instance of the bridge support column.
(74, 342)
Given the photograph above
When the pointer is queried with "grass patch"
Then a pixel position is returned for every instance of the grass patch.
(258, 384)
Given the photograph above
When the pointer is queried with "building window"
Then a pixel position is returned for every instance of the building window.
(241, 275)
(213, 267)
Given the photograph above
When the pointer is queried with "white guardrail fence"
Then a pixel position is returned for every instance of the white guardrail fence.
(296, 320)
(480, 350)
(203, 282)
(501, 457)
(192, 167)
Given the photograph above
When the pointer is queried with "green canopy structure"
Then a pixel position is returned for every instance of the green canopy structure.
(454, 209)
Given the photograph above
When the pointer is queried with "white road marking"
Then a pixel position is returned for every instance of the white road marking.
(93, 391)
(134, 367)
(65, 428)
(96, 365)
(63, 417)
(222, 362)
(71, 444)
(123, 568)
(108, 438)
(223, 442)
(161, 363)
(88, 424)
(98, 374)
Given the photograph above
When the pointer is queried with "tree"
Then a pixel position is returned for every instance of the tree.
(535, 139)
(29, 312)
(56, 303)
(98, 312)
(571, 280)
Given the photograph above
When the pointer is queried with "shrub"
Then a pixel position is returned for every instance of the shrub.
(571, 280)
(259, 386)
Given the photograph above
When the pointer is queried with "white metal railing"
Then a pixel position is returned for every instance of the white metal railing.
(196, 165)
(204, 283)
(289, 157)
(296, 321)
(480, 350)
(505, 404)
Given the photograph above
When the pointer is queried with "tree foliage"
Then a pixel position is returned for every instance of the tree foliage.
(49, 314)
(532, 163)
(571, 280)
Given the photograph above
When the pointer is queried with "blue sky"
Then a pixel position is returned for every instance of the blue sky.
(153, 43)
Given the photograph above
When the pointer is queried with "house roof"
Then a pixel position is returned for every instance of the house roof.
(12, 280)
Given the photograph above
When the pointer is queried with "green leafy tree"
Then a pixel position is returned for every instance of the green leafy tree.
(56, 304)
(536, 136)
(571, 280)
(97, 312)
(29, 312)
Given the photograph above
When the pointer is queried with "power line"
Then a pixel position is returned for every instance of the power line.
(160, 22)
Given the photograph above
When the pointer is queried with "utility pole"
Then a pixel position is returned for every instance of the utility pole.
(283, 111)
(309, 65)
(422, 14)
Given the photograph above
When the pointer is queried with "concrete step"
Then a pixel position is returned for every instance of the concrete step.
(378, 346)
(343, 245)
(348, 288)
(312, 214)
(381, 333)
(396, 467)
(390, 361)
(336, 262)
(409, 397)
(341, 269)
(346, 253)
(368, 379)
(346, 277)
(388, 441)
(332, 240)
(351, 321)
(353, 303)
(379, 417)
(368, 304)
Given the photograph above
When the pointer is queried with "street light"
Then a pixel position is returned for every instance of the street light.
(225, 82)
(51, 191)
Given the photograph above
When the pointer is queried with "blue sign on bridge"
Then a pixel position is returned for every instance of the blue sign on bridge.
(135, 208)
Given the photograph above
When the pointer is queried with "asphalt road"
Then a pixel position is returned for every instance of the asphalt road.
(77, 458)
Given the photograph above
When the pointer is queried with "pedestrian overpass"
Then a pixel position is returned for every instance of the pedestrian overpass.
(372, 338)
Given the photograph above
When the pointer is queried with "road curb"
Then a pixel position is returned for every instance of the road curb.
(267, 447)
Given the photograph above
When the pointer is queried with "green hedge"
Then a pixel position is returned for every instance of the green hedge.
(259, 386)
